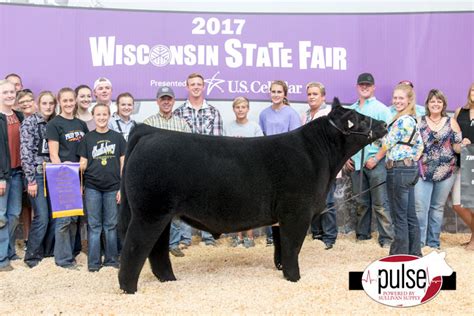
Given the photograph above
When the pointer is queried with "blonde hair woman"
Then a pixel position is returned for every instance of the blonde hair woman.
(403, 147)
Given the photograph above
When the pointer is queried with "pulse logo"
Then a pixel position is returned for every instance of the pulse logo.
(405, 280)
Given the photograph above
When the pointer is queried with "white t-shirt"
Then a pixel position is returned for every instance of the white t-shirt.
(249, 129)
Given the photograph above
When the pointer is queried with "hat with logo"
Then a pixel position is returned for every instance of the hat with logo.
(102, 80)
(165, 91)
(366, 78)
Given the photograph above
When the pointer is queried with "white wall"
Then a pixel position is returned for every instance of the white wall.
(269, 6)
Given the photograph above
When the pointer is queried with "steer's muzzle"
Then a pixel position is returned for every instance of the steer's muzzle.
(379, 129)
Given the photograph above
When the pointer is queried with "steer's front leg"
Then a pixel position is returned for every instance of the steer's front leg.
(140, 238)
(292, 234)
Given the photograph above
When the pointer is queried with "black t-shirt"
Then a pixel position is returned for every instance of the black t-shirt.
(103, 152)
(69, 134)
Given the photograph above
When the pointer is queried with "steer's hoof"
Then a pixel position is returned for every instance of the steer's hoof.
(128, 291)
(167, 278)
(293, 277)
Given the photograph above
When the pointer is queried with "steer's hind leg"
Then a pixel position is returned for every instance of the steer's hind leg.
(140, 239)
(292, 234)
(160, 258)
(277, 245)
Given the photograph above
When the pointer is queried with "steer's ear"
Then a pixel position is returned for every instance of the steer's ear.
(336, 103)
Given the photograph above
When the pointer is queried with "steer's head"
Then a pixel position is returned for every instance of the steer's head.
(357, 129)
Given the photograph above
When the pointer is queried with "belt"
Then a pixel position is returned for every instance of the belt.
(407, 162)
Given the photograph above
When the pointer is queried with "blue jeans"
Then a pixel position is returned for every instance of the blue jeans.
(376, 200)
(186, 234)
(10, 208)
(42, 226)
(65, 234)
(430, 201)
(269, 233)
(102, 214)
(175, 233)
(401, 192)
(325, 224)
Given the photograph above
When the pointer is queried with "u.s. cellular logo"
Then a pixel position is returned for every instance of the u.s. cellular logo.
(107, 51)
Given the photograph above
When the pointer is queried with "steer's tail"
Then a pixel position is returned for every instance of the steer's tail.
(125, 214)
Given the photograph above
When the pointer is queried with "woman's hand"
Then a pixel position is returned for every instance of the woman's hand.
(371, 163)
(3, 186)
(33, 190)
(349, 166)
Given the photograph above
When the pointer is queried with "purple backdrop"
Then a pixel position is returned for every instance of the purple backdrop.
(53, 47)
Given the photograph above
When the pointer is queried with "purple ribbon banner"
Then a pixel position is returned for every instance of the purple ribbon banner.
(467, 176)
(64, 189)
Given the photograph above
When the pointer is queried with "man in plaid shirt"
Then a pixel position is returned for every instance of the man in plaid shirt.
(204, 119)
(201, 117)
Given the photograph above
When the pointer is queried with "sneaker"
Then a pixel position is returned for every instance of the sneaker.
(183, 246)
(269, 241)
(73, 266)
(317, 237)
(15, 257)
(363, 237)
(328, 246)
(210, 243)
(112, 265)
(32, 264)
(236, 242)
(6, 268)
(249, 242)
(176, 252)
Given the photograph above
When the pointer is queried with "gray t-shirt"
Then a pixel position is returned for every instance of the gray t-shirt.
(249, 129)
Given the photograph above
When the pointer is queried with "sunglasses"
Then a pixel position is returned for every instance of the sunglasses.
(408, 83)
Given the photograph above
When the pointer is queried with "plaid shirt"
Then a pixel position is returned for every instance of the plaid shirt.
(207, 120)
(173, 123)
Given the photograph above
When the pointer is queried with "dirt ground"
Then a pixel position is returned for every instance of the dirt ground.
(224, 280)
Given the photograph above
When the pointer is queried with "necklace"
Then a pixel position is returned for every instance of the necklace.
(436, 123)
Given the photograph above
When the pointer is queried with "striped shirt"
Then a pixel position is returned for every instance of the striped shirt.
(207, 120)
(172, 123)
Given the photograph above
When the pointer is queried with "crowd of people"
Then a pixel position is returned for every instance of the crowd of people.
(404, 179)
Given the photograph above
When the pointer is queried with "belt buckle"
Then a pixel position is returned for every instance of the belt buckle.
(389, 164)
(39, 169)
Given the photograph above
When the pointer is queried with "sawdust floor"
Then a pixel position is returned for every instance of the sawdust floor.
(224, 280)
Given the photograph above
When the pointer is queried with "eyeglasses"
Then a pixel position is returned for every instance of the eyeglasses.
(25, 101)
(25, 91)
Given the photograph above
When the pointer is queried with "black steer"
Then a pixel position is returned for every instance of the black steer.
(225, 184)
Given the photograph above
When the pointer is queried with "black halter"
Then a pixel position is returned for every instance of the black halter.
(367, 133)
